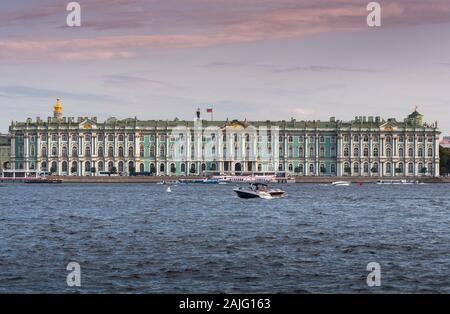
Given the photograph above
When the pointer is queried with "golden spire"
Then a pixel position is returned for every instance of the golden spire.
(57, 112)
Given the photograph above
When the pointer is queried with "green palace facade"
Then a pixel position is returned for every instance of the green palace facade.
(365, 146)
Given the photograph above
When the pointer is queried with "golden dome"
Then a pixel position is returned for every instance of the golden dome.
(58, 106)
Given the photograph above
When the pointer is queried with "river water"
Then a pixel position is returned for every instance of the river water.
(136, 238)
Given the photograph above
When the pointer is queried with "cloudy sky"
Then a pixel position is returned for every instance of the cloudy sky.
(254, 59)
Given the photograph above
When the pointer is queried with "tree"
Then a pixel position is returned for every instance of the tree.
(347, 169)
(53, 169)
(73, 170)
(297, 170)
(423, 170)
(323, 170)
(93, 170)
(374, 170)
(398, 170)
(113, 170)
(444, 157)
(152, 169)
(132, 170)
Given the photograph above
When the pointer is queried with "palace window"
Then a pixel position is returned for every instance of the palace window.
(64, 166)
(173, 168)
(420, 152)
(121, 153)
(280, 167)
(322, 151)
(401, 139)
(152, 150)
(346, 152)
(162, 138)
(162, 151)
(388, 139)
(366, 138)
(311, 151)
(322, 139)
(356, 152)
(64, 137)
(290, 139)
(120, 139)
(74, 151)
(213, 150)
(290, 168)
(32, 151)
(247, 138)
(400, 167)
(346, 138)
(101, 138)
(356, 168)
(311, 168)
(356, 138)
(121, 166)
(130, 151)
(376, 138)
(280, 139)
(110, 137)
(366, 167)
(88, 137)
(101, 151)
(388, 152)
(74, 137)
(366, 152)
(101, 166)
(430, 140)
(290, 151)
(87, 151)
(130, 137)
(333, 168)
(87, 166)
(235, 137)
(110, 166)
(375, 167)
(388, 168)
(54, 137)
(43, 137)
(430, 168)
(43, 166)
(410, 152)
(410, 139)
(300, 151)
(141, 151)
(376, 152)
(411, 168)
(110, 151)
(401, 152)
(420, 139)
(430, 152)
(213, 137)
(64, 151)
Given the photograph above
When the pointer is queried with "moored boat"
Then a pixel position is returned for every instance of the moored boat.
(341, 183)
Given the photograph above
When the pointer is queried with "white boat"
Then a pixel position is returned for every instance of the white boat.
(341, 183)
(259, 190)
(247, 179)
(168, 190)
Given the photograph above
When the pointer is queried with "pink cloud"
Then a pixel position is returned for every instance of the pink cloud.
(216, 22)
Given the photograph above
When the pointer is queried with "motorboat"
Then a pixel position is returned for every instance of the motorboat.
(341, 183)
(396, 182)
(168, 190)
(259, 190)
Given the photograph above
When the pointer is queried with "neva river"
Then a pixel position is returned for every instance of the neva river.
(203, 239)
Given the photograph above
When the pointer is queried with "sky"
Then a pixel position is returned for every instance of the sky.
(249, 59)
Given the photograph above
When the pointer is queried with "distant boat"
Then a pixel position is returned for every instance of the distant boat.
(168, 190)
(259, 190)
(341, 183)
(397, 182)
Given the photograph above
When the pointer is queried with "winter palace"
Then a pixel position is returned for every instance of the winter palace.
(365, 146)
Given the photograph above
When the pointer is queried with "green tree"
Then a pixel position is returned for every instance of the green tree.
(113, 170)
(444, 156)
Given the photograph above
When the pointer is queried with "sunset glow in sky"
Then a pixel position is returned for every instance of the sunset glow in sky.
(254, 59)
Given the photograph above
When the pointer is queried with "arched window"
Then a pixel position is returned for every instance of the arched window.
(311, 151)
(322, 151)
(300, 151)
(141, 168)
(183, 168)
(430, 168)
(53, 168)
(388, 152)
(74, 151)
(356, 152)
(375, 167)
(366, 138)
(213, 150)
(101, 166)
(356, 168)
(64, 166)
(400, 167)
(43, 166)
(410, 152)
(280, 167)
(213, 166)
(152, 151)
(110, 151)
(121, 166)
(101, 152)
(290, 168)
(366, 152)
(420, 152)
(74, 167)
(161, 168)
(375, 152)
(141, 150)
(110, 137)
(87, 151)
(120, 137)
(366, 167)
(347, 168)
(44, 151)
(121, 153)
(290, 151)
(130, 137)
(356, 138)
(333, 168)
(346, 152)
(110, 166)
(388, 139)
(101, 137)
(87, 166)
(173, 168)
(130, 151)
(401, 152)
(54, 151)
(152, 168)
(411, 168)
(162, 151)
(64, 151)
(131, 167)
(311, 168)
(430, 152)
(388, 168)
(203, 167)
